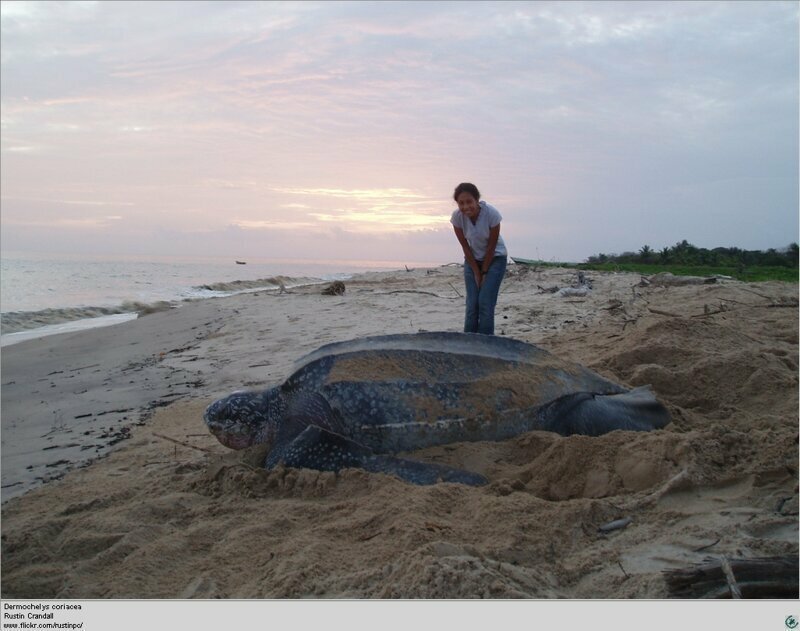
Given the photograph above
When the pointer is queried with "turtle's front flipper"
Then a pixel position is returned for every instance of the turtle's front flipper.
(318, 448)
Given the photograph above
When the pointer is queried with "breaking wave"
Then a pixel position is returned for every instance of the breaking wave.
(15, 321)
(273, 282)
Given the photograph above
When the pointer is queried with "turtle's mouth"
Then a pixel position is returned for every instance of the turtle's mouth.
(231, 434)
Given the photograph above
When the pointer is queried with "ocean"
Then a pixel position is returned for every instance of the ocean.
(44, 295)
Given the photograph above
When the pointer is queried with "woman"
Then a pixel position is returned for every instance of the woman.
(477, 228)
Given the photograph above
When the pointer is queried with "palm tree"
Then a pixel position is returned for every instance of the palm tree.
(792, 253)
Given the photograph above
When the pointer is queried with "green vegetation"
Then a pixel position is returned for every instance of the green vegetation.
(685, 259)
(688, 260)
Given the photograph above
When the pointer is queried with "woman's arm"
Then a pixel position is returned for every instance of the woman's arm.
(494, 234)
(468, 254)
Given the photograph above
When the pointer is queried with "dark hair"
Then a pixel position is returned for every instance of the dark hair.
(466, 187)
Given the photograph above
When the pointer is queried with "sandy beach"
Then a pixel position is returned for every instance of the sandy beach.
(108, 470)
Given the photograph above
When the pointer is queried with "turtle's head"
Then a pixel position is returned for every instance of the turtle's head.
(244, 418)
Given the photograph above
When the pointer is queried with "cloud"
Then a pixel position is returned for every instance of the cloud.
(274, 225)
(67, 222)
(302, 118)
(356, 194)
(377, 210)
(67, 202)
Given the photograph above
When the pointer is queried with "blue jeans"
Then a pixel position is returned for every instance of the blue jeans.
(479, 317)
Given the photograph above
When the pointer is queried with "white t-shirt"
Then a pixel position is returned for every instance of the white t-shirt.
(477, 234)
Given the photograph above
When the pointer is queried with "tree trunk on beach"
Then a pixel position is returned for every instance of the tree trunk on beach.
(768, 577)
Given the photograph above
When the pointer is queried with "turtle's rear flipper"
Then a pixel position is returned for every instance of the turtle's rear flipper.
(596, 414)
(323, 450)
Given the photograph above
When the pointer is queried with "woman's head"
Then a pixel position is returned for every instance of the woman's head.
(467, 197)
(466, 187)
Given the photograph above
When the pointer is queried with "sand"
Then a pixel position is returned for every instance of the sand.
(146, 504)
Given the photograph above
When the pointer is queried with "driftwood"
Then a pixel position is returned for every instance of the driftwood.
(664, 313)
(617, 524)
(733, 585)
(766, 577)
(183, 444)
(707, 546)
(414, 291)
(336, 288)
(677, 481)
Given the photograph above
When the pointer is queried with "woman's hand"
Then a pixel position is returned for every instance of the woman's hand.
(476, 271)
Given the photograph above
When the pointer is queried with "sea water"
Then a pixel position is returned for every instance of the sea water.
(42, 295)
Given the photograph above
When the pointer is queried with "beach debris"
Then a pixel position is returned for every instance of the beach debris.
(183, 443)
(520, 272)
(331, 413)
(782, 509)
(708, 311)
(669, 314)
(336, 288)
(573, 292)
(613, 305)
(58, 463)
(123, 433)
(680, 480)
(617, 524)
(581, 287)
(548, 290)
(414, 291)
(668, 279)
(707, 546)
(730, 578)
(763, 577)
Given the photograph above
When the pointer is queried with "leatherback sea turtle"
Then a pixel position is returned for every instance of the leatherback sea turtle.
(353, 404)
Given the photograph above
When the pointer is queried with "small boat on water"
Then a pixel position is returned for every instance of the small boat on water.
(241, 262)
(520, 261)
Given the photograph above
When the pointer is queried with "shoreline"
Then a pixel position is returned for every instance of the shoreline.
(70, 326)
(45, 290)
(78, 318)
(97, 412)
(95, 384)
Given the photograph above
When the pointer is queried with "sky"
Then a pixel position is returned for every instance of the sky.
(338, 130)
